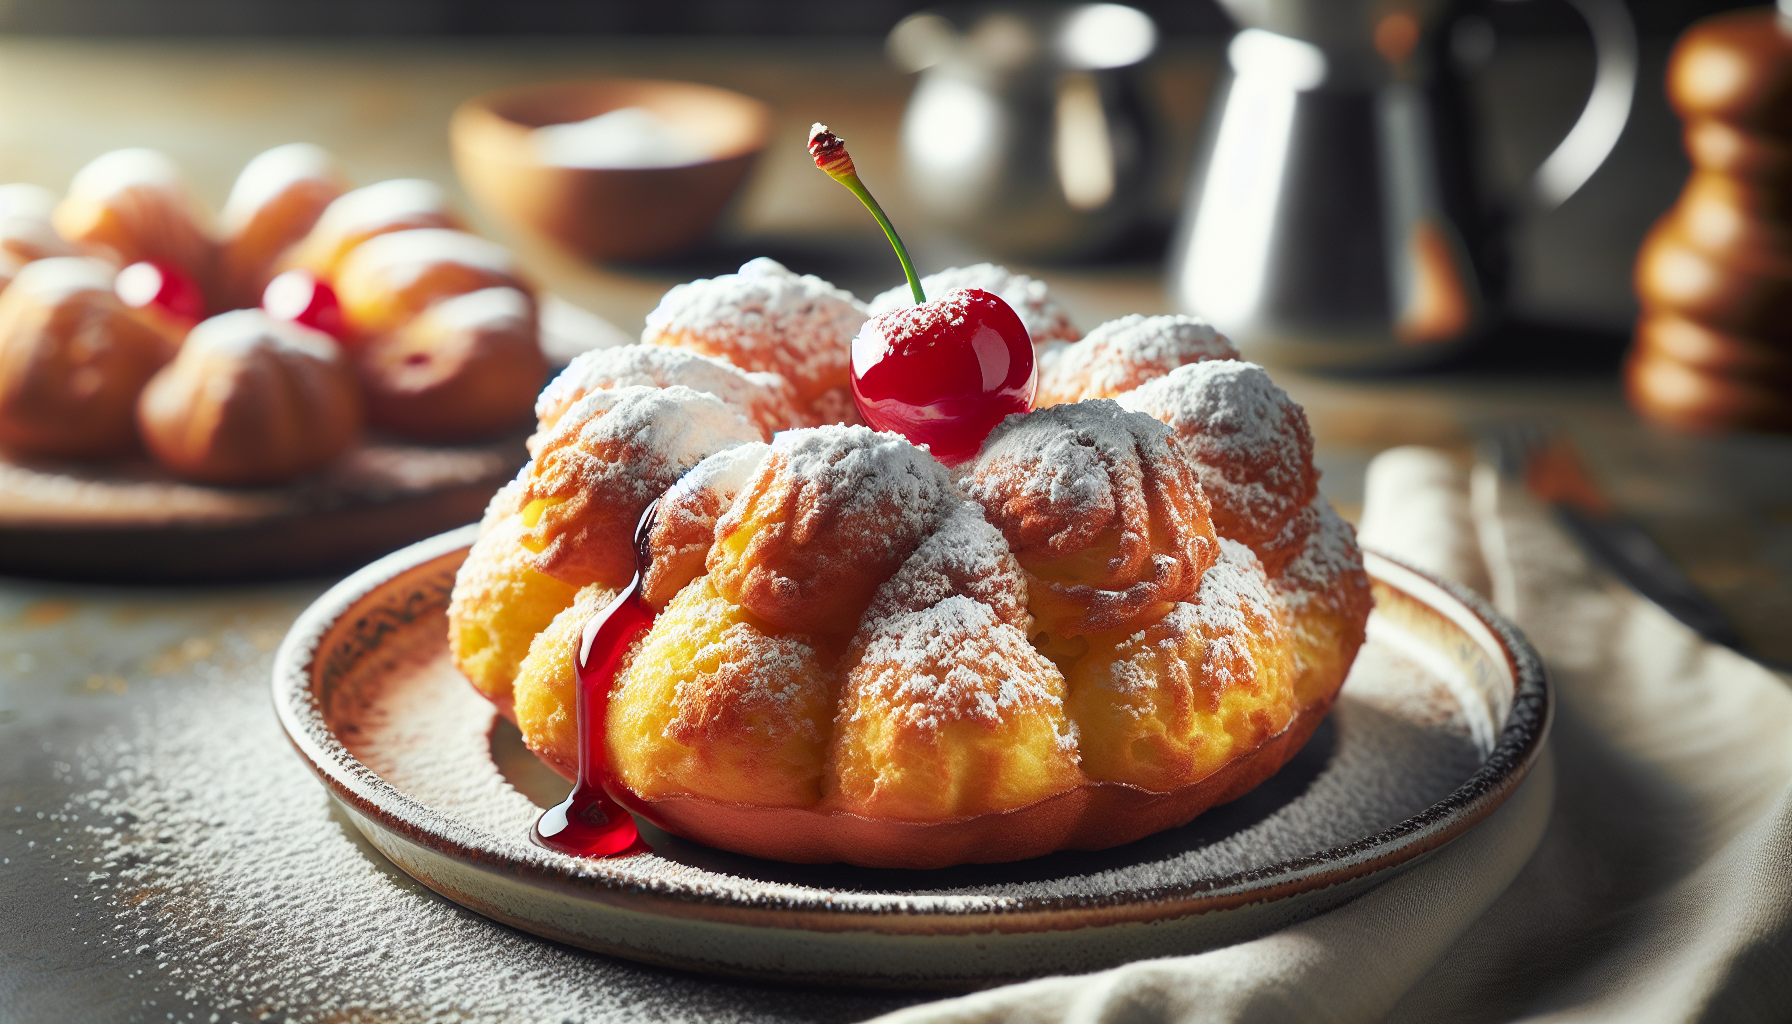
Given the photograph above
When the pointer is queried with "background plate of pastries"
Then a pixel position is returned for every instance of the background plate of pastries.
(315, 375)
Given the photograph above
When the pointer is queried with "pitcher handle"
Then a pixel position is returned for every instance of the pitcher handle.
(1602, 120)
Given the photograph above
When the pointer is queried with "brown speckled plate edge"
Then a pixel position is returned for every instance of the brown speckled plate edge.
(950, 941)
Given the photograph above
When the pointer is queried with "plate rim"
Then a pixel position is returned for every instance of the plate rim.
(1518, 743)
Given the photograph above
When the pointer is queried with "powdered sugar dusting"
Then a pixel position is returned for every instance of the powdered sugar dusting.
(111, 173)
(723, 474)
(273, 172)
(1071, 465)
(494, 309)
(875, 481)
(1122, 354)
(49, 281)
(1248, 439)
(963, 556)
(1329, 556)
(1031, 299)
(673, 426)
(766, 318)
(403, 255)
(766, 398)
(398, 200)
(241, 331)
(872, 343)
(955, 662)
(758, 683)
(212, 873)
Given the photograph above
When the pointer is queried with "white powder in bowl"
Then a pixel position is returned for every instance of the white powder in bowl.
(629, 137)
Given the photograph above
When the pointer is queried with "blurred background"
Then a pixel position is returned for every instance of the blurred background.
(1570, 269)
(212, 83)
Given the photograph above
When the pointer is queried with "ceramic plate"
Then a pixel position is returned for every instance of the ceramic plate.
(1444, 713)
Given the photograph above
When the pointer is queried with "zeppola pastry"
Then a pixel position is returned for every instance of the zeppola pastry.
(371, 305)
(72, 361)
(250, 400)
(821, 641)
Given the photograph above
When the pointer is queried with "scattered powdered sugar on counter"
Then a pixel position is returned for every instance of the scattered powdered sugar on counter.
(216, 880)
(226, 881)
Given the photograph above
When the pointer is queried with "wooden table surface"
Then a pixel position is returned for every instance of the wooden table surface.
(1722, 507)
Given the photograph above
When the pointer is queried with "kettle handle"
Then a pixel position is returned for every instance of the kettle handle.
(1595, 132)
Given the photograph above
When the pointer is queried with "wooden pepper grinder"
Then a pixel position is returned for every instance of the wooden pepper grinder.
(1713, 347)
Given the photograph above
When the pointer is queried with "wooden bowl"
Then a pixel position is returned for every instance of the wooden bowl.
(606, 214)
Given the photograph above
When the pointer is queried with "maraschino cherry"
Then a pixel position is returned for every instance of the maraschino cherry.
(941, 373)
(301, 297)
(161, 289)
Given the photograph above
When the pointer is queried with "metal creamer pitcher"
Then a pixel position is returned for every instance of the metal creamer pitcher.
(1027, 133)
(1332, 220)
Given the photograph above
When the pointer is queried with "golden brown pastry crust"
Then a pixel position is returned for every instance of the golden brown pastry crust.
(467, 367)
(388, 280)
(766, 318)
(1106, 518)
(765, 398)
(827, 517)
(135, 204)
(610, 456)
(1250, 446)
(854, 663)
(277, 200)
(72, 361)
(1122, 354)
(399, 204)
(250, 400)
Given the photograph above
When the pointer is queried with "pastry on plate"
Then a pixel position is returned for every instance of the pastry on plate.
(765, 318)
(251, 400)
(72, 361)
(276, 201)
(1091, 621)
(1115, 615)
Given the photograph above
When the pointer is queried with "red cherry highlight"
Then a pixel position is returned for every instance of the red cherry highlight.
(299, 296)
(945, 372)
(161, 288)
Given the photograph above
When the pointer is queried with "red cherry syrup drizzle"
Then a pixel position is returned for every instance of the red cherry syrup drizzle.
(589, 822)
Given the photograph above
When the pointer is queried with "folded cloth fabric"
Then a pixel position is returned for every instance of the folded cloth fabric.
(1642, 873)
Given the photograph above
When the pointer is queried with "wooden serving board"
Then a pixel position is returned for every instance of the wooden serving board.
(131, 522)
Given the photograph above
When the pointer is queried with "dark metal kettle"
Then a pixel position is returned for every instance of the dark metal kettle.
(1331, 220)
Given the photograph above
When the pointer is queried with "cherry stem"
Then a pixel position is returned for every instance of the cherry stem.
(829, 151)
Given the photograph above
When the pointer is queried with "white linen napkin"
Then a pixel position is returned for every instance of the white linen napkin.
(1642, 873)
